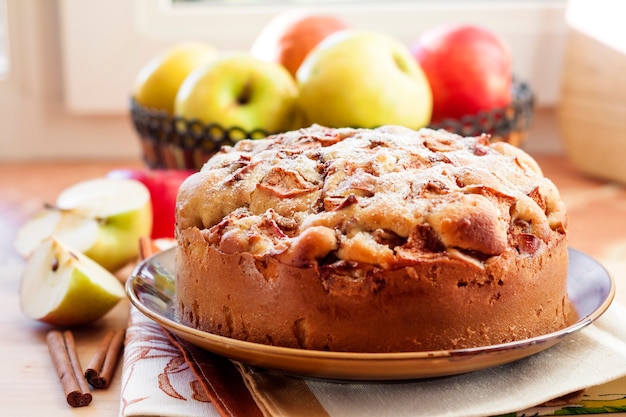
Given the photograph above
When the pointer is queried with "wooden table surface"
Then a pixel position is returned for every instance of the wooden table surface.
(29, 385)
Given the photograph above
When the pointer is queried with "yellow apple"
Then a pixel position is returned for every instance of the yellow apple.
(238, 90)
(158, 81)
(63, 287)
(102, 218)
(363, 79)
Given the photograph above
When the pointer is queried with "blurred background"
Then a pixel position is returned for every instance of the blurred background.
(67, 66)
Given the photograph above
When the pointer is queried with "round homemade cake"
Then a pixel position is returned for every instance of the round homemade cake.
(372, 240)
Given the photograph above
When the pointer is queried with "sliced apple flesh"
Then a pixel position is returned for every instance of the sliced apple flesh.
(63, 287)
(102, 218)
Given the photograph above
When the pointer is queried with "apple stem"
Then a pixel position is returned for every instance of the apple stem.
(244, 96)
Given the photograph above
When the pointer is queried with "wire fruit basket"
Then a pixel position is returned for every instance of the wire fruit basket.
(175, 143)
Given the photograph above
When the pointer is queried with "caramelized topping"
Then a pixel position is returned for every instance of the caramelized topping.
(380, 197)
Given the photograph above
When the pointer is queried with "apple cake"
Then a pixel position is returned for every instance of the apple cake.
(372, 240)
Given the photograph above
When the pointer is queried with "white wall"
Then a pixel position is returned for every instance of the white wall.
(34, 121)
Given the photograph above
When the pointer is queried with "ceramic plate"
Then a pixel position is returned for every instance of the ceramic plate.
(150, 289)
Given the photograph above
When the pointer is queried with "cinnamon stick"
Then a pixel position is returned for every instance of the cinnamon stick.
(102, 366)
(65, 359)
(146, 247)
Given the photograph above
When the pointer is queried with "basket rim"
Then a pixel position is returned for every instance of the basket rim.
(158, 129)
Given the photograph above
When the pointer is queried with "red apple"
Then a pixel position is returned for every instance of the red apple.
(289, 37)
(163, 185)
(469, 69)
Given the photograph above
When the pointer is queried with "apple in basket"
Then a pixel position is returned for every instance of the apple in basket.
(102, 218)
(363, 79)
(158, 81)
(239, 90)
(469, 69)
(290, 36)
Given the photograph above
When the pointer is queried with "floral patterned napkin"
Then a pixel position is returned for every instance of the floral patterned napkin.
(156, 379)
(165, 376)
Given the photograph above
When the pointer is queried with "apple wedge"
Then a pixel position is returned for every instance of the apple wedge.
(102, 218)
(63, 287)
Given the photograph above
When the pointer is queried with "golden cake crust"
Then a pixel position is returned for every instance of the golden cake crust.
(376, 240)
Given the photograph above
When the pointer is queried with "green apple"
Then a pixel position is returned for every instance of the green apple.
(63, 287)
(357, 78)
(239, 90)
(102, 218)
(158, 81)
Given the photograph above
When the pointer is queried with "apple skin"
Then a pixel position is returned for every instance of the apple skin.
(289, 37)
(158, 80)
(238, 90)
(469, 69)
(163, 186)
(122, 236)
(365, 79)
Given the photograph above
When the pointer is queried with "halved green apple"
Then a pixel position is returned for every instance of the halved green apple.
(63, 287)
(102, 218)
